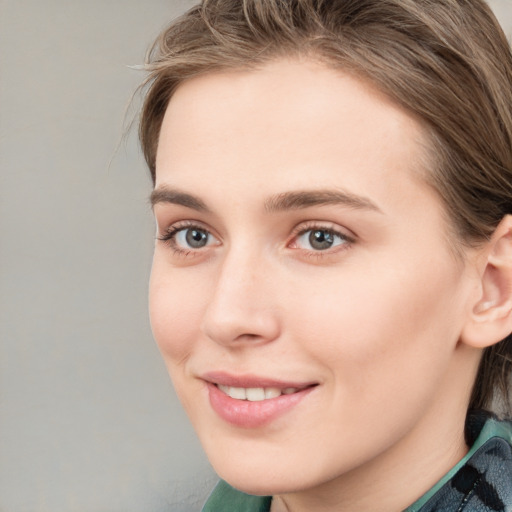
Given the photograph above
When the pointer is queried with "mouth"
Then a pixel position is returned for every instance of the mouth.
(251, 402)
(258, 394)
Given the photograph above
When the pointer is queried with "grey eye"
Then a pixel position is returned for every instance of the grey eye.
(320, 239)
(193, 238)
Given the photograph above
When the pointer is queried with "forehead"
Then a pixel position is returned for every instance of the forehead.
(288, 124)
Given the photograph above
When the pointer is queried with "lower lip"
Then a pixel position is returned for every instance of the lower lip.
(247, 414)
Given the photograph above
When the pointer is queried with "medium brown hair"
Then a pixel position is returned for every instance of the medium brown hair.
(445, 61)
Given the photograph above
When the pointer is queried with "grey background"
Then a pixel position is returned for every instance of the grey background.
(88, 419)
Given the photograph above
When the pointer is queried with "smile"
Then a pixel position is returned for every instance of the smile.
(255, 394)
(253, 402)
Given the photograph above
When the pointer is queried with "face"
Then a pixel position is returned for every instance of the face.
(303, 294)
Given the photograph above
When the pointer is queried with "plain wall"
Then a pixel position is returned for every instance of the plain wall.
(88, 419)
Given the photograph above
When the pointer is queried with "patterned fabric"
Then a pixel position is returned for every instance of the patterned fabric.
(481, 482)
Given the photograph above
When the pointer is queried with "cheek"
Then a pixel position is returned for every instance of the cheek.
(175, 309)
(400, 319)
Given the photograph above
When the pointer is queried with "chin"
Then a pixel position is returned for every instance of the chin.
(259, 485)
(267, 477)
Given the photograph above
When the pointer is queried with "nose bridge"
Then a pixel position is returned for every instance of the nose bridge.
(241, 306)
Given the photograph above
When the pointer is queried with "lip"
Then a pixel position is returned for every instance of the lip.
(252, 381)
(247, 414)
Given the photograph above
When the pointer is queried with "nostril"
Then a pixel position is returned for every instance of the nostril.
(249, 336)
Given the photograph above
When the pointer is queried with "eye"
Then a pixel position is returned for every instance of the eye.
(185, 238)
(193, 238)
(320, 239)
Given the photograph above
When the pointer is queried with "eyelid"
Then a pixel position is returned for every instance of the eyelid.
(184, 224)
(301, 228)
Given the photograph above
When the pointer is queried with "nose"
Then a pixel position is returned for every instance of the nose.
(242, 307)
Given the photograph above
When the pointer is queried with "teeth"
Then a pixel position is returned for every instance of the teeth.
(255, 394)
(238, 393)
(224, 389)
(272, 392)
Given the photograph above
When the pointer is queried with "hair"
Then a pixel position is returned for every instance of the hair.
(447, 62)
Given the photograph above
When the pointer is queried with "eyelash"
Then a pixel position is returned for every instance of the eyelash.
(170, 237)
(347, 241)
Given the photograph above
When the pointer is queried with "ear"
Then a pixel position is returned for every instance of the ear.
(491, 316)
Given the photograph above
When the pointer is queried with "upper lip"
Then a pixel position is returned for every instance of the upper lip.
(252, 381)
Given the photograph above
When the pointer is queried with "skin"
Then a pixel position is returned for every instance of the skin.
(375, 320)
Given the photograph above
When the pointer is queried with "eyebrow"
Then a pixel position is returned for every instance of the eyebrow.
(293, 200)
(306, 198)
(166, 195)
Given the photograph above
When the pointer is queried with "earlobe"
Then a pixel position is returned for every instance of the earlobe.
(491, 315)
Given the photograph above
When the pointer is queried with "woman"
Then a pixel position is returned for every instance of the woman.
(332, 279)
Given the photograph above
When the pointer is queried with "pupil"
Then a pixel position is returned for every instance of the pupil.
(321, 239)
(196, 238)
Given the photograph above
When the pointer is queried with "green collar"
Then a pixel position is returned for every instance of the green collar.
(225, 498)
